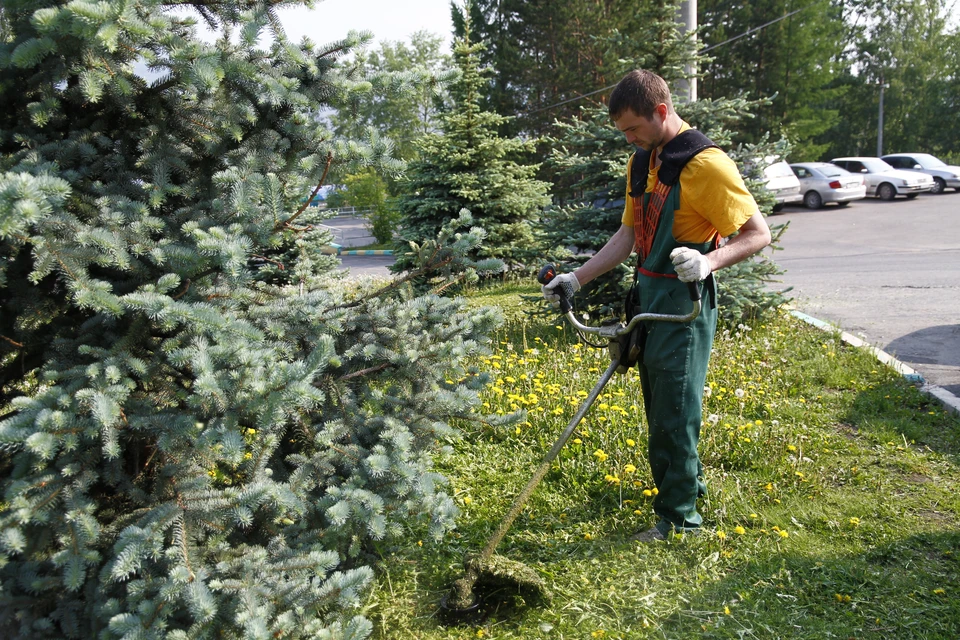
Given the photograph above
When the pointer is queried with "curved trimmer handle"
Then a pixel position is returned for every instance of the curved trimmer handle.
(549, 272)
(546, 276)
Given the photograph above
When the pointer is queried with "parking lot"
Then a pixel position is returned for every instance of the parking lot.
(887, 271)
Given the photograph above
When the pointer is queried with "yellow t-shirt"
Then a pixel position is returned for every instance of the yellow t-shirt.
(713, 197)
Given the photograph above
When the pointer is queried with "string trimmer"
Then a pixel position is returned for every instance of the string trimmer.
(496, 572)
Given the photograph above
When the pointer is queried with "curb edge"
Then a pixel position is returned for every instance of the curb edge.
(944, 397)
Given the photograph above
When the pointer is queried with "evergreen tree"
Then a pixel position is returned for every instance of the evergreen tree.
(470, 166)
(188, 451)
(908, 47)
(793, 63)
(402, 114)
(590, 157)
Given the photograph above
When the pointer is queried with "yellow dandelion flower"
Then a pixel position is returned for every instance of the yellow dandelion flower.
(726, 611)
(251, 432)
(600, 455)
(722, 535)
(419, 543)
(655, 491)
(855, 521)
(647, 493)
(599, 633)
(939, 592)
(784, 534)
(629, 469)
(631, 443)
(588, 536)
(577, 441)
(467, 500)
(739, 530)
(637, 512)
(790, 447)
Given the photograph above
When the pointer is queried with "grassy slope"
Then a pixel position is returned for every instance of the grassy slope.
(833, 508)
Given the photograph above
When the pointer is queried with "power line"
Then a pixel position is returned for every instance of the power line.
(713, 46)
(746, 33)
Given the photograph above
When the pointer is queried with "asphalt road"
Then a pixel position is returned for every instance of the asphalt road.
(888, 272)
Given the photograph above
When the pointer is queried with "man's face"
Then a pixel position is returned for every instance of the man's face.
(646, 133)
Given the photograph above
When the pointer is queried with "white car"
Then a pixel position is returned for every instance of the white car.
(885, 181)
(783, 184)
(943, 174)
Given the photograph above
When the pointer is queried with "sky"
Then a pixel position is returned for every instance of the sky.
(393, 20)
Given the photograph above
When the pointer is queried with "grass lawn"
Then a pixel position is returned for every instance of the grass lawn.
(833, 507)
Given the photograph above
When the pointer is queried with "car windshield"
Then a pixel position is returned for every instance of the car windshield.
(875, 165)
(779, 170)
(928, 161)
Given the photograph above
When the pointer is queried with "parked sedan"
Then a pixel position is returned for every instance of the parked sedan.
(822, 182)
(885, 181)
(782, 184)
(943, 175)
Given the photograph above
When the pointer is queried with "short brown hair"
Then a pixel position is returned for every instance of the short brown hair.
(640, 91)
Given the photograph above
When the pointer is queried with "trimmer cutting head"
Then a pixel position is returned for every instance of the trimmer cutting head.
(484, 581)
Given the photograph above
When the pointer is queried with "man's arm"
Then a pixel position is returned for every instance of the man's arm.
(617, 249)
(754, 235)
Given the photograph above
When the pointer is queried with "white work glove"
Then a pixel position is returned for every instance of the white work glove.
(690, 264)
(570, 286)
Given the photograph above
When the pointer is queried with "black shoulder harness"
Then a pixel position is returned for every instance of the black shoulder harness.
(674, 157)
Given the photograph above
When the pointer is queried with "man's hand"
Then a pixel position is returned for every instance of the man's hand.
(567, 281)
(691, 265)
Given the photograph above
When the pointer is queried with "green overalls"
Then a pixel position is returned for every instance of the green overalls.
(673, 371)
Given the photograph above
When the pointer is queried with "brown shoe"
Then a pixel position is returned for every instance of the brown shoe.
(650, 535)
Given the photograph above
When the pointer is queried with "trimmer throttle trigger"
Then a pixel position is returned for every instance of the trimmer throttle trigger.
(545, 277)
(547, 274)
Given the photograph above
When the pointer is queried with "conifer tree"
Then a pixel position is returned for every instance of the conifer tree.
(188, 449)
(589, 158)
(469, 166)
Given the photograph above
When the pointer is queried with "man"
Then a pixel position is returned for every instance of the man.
(683, 195)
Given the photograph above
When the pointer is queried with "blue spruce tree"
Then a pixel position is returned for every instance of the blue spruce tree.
(189, 449)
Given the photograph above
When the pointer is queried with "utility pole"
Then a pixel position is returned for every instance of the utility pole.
(880, 120)
(687, 89)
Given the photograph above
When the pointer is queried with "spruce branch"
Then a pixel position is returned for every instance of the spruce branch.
(266, 259)
(326, 168)
(186, 287)
(13, 342)
(363, 372)
(394, 284)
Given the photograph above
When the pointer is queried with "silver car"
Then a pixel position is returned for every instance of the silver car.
(943, 175)
(885, 181)
(822, 182)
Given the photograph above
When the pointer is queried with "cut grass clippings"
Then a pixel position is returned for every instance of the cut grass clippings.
(833, 507)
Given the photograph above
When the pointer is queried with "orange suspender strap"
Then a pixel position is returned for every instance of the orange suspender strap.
(645, 222)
